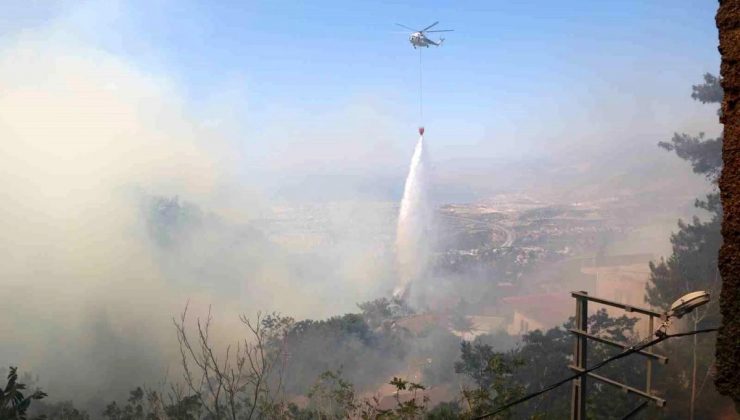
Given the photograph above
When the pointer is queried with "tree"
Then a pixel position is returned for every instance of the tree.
(13, 402)
(169, 220)
(543, 359)
(492, 373)
(410, 408)
(728, 341)
(693, 265)
(42, 408)
(246, 383)
(332, 397)
(546, 356)
(317, 346)
(62, 410)
(383, 310)
(136, 407)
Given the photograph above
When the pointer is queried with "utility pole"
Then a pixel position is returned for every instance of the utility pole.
(693, 370)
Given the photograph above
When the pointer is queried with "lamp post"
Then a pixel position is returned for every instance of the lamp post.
(679, 308)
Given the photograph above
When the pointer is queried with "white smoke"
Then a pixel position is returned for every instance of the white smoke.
(414, 223)
(88, 141)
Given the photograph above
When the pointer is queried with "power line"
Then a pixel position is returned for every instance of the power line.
(635, 410)
(626, 353)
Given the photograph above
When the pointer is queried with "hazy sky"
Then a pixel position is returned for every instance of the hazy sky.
(336, 81)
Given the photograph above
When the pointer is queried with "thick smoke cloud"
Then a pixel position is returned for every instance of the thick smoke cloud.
(99, 252)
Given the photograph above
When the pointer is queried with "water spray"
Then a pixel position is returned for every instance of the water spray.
(412, 242)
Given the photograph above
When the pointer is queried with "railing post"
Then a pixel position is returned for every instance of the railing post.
(579, 362)
(578, 400)
(649, 371)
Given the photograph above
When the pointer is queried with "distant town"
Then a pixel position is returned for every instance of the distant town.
(514, 257)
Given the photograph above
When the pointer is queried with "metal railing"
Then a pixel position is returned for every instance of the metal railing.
(580, 350)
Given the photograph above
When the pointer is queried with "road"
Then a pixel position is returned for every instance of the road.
(508, 232)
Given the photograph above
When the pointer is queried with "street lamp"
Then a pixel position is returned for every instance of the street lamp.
(687, 303)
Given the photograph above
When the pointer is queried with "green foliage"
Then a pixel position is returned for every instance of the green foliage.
(545, 358)
(186, 408)
(275, 328)
(133, 410)
(245, 380)
(376, 312)
(149, 405)
(705, 155)
(437, 348)
(484, 365)
(492, 372)
(169, 219)
(605, 401)
(380, 311)
(348, 340)
(692, 265)
(542, 359)
(43, 409)
(332, 397)
(406, 409)
(13, 401)
(709, 92)
(63, 410)
(445, 411)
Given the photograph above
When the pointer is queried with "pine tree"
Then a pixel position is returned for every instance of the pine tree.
(692, 266)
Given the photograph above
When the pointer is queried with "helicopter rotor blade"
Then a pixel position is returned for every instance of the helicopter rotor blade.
(430, 26)
(406, 27)
(442, 30)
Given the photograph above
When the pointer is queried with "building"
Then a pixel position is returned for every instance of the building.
(621, 278)
(538, 312)
(480, 325)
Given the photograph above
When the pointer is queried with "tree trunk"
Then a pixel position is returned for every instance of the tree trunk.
(728, 338)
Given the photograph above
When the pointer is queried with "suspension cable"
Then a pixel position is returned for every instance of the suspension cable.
(421, 93)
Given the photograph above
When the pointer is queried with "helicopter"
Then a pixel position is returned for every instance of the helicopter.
(419, 39)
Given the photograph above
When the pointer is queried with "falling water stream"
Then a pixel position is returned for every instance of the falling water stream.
(412, 242)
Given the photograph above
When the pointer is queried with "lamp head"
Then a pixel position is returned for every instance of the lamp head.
(687, 303)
